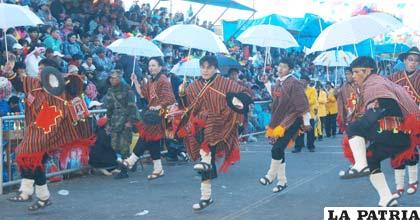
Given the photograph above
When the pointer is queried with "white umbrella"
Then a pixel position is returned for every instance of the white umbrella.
(334, 58)
(192, 36)
(268, 36)
(188, 68)
(135, 46)
(15, 15)
(355, 30)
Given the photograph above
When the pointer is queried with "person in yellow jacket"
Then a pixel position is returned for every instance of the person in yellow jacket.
(332, 111)
(313, 105)
(322, 110)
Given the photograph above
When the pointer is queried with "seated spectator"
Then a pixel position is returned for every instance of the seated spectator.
(15, 104)
(102, 155)
(71, 46)
(88, 68)
(67, 28)
(103, 64)
(45, 14)
(53, 41)
(20, 69)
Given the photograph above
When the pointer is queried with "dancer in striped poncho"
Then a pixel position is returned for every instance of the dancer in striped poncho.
(212, 127)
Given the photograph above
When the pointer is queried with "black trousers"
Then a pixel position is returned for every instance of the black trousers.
(323, 122)
(152, 146)
(386, 145)
(411, 162)
(175, 146)
(383, 145)
(310, 138)
(331, 125)
(213, 172)
(277, 151)
(38, 174)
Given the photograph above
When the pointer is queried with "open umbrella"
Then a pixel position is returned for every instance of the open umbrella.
(189, 68)
(192, 36)
(268, 36)
(15, 15)
(135, 46)
(334, 58)
(226, 63)
(355, 30)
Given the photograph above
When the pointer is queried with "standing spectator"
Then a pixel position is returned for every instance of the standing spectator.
(57, 9)
(45, 15)
(71, 46)
(322, 109)
(313, 107)
(332, 110)
(32, 61)
(122, 113)
(53, 41)
(67, 28)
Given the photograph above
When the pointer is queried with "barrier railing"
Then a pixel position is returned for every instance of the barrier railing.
(16, 122)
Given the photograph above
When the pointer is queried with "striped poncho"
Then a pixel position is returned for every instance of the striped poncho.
(157, 92)
(49, 127)
(209, 110)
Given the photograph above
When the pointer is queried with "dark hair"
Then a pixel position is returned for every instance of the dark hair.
(157, 59)
(88, 56)
(32, 29)
(10, 31)
(347, 69)
(305, 77)
(49, 62)
(19, 65)
(210, 59)
(364, 62)
(231, 70)
(49, 50)
(77, 57)
(54, 29)
(13, 100)
(288, 62)
(70, 35)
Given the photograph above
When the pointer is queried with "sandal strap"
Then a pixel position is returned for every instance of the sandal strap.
(267, 181)
(390, 202)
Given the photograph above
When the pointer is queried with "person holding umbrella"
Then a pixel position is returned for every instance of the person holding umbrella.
(158, 93)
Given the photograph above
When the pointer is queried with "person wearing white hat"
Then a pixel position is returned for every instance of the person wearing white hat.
(32, 60)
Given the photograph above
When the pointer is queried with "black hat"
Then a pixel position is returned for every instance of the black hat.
(244, 98)
(52, 81)
(364, 62)
(413, 50)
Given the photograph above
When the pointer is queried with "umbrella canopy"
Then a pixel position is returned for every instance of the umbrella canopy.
(16, 15)
(189, 68)
(226, 63)
(355, 30)
(192, 36)
(268, 36)
(135, 46)
(334, 58)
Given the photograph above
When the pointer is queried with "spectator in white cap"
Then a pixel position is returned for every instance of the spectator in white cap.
(18, 51)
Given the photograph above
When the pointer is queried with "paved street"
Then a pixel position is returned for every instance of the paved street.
(312, 178)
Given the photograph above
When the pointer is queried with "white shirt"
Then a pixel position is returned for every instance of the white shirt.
(31, 63)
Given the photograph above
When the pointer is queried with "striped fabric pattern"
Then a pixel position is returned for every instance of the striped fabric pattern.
(411, 84)
(156, 92)
(289, 102)
(221, 123)
(36, 143)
